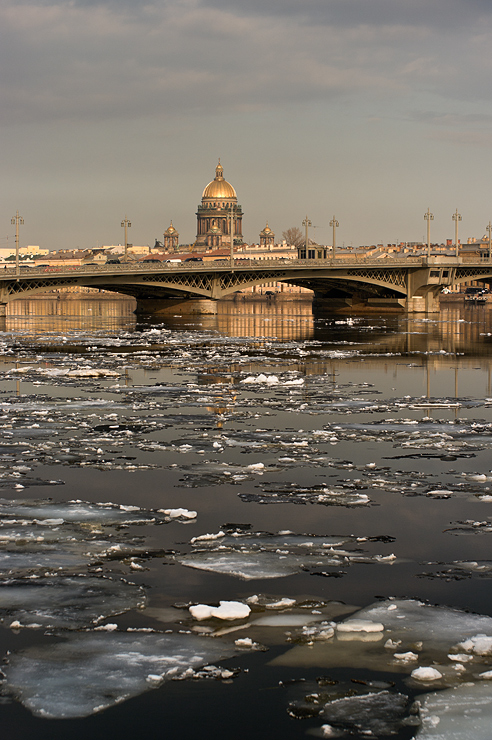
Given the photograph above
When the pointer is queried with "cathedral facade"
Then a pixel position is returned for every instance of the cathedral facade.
(218, 214)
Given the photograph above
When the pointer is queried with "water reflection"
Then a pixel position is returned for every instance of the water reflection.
(453, 330)
(354, 433)
(31, 315)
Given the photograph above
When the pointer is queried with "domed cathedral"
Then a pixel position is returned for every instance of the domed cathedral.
(219, 201)
(171, 239)
(267, 237)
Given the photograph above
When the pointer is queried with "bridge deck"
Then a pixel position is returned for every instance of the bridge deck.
(393, 278)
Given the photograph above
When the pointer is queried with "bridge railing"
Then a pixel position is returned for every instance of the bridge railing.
(225, 264)
(126, 267)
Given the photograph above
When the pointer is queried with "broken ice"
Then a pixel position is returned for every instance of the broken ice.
(88, 673)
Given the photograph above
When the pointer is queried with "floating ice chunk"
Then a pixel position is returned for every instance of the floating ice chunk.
(407, 657)
(359, 625)
(90, 372)
(179, 513)
(263, 555)
(368, 715)
(438, 626)
(228, 610)
(248, 566)
(461, 657)
(231, 610)
(315, 633)
(478, 644)
(88, 673)
(201, 611)
(426, 673)
(76, 511)
(461, 713)
(66, 602)
(281, 603)
(261, 378)
(247, 642)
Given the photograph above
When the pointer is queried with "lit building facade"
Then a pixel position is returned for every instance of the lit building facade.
(219, 201)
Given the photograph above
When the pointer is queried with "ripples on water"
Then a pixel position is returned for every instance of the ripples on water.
(330, 476)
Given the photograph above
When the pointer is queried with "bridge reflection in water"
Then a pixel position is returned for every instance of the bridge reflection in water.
(453, 330)
(52, 315)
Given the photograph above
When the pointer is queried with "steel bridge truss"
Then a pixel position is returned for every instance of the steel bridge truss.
(209, 281)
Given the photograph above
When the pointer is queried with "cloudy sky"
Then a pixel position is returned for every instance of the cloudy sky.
(369, 110)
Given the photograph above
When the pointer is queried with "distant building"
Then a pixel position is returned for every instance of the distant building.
(219, 201)
(171, 239)
(267, 237)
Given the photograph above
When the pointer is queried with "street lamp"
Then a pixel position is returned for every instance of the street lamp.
(232, 234)
(17, 220)
(126, 224)
(307, 223)
(334, 223)
(489, 229)
(456, 218)
(428, 217)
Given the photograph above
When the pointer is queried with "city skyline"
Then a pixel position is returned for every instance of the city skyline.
(373, 112)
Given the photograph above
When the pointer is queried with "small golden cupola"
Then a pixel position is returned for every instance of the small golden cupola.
(267, 237)
(171, 238)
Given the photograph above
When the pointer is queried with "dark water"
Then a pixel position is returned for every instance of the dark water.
(377, 428)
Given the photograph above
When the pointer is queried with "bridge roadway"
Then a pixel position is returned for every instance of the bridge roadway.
(399, 284)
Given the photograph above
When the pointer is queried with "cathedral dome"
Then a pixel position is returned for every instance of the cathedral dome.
(219, 188)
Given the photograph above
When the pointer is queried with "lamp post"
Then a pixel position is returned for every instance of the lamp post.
(428, 217)
(334, 223)
(126, 225)
(307, 223)
(232, 234)
(489, 229)
(17, 220)
(456, 218)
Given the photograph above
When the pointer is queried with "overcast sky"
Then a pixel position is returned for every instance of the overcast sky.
(369, 110)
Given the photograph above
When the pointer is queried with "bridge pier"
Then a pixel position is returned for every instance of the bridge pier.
(176, 306)
(428, 303)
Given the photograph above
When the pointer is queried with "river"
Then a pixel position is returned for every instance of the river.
(327, 478)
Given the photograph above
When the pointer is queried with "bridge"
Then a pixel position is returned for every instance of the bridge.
(410, 284)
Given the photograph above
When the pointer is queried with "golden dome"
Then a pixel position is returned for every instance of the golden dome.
(219, 188)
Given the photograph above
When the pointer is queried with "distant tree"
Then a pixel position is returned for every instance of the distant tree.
(293, 236)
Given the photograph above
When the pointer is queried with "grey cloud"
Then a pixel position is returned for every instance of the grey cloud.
(100, 60)
(439, 14)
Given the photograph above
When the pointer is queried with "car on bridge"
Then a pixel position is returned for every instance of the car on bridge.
(193, 259)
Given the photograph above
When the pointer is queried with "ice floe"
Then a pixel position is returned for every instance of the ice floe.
(66, 602)
(87, 673)
(263, 555)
